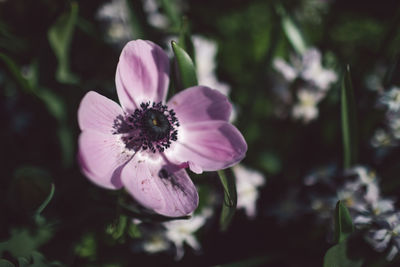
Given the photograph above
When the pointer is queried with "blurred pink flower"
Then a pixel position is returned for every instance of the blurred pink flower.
(146, 144)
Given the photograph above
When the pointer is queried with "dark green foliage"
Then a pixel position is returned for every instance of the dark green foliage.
(53, 52)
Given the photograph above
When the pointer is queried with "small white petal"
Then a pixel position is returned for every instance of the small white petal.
(392, 253)
(287, 71)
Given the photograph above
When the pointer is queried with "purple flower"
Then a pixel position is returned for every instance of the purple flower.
(145, 145)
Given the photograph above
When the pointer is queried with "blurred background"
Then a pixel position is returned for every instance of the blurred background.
(282, 64)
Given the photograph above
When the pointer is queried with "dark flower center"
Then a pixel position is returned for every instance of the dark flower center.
(151, 127)
(155, 124)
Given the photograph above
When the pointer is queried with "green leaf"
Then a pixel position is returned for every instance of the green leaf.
(47, 200)
(31, 190)
(230, 198)
(60, 37)
(349, 126)
(23, 241)
(134, 231)
(87, 246)
(120, 227)
(186, 71)
(338, 256)
(292, 31)
(270, 162)
(343, 223)
(53, 102)
(65, 135)
(36, 260)
(15, 71)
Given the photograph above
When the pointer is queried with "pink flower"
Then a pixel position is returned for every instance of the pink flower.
(145, 145)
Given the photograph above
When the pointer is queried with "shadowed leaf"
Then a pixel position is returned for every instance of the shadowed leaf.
(186, 71)
(349, 122)
(343, 223)
(292, 32)
(230, 198)
(31, 189)
(47, 200)
(36, 260)
(15, 71)
(60, 37)
(23, 242)
(338, 256)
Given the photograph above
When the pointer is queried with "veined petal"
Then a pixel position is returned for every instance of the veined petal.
(209, 145)
(142, 74)
(160, 186)
(97, 113)
(101, 158)
(200, 103)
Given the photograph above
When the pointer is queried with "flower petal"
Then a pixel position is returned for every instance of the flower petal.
(97, 113)
(210, 145)
(200, 103)
(160, 186)
(101, 158)
(142, 74)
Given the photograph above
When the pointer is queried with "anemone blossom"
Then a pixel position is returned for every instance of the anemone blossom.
(145, 144)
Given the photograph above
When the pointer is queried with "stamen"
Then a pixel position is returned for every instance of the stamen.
(150, 127)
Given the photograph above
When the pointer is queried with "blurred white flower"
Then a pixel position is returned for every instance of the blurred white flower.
(118, 29)
(309, 68)
(394, 124)
(390, 135)
(358, 188)
(315, 82)
(306, 108)
(382, 138)
(182, 231)
(205, 58)
(314, 72)
(391, 99)
(205, 54)
(323, 174)
(366, 182)
(287, 71)
(247, 183)
(154, 17)
(116, 9)
(386, 237)
(155, 243)
(361, 191)
(171, 235)
(377, 210)
(371, 212)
